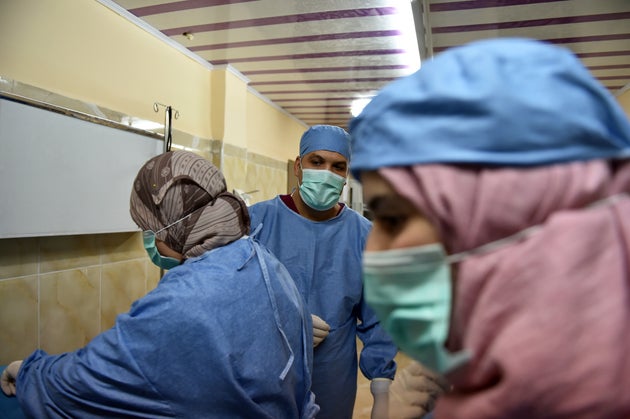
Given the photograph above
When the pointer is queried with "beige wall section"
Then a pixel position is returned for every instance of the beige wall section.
(259, 175)
(57, 293)
(624, 100)
(93, 54)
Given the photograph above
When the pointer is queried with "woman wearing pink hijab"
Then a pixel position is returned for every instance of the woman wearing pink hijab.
(498, 176)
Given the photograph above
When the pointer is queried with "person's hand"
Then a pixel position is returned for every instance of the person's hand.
(414, 391)
(379, 387)
(7, 381)
(320, 330)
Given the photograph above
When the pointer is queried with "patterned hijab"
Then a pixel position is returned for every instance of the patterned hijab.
(180, 184)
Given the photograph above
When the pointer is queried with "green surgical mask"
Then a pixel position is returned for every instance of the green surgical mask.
(321, 189)
(148, 238)
(409, 289)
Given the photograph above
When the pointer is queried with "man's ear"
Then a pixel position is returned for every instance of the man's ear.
(296, 167)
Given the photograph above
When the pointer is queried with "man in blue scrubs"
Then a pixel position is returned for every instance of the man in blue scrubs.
(320, 241)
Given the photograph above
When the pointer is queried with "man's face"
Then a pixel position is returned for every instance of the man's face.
(322, 160)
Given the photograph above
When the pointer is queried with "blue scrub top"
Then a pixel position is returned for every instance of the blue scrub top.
(324, 260)
(223, 335)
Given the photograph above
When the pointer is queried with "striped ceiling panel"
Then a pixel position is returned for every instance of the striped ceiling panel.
(313, 58)
(597, 31)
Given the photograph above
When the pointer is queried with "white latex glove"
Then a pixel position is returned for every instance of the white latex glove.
(379, 387)
(320, 330)
(414, 391)
(7, 381)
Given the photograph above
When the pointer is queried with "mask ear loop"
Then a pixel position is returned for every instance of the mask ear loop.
(164, 228)
(298, 178)
(489, 247)
(301, 170)
(172, 224)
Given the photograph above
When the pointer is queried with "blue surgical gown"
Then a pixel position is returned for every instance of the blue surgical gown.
(225, 335)
(324, 259)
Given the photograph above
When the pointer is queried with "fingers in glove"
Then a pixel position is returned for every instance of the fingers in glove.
(320, 330)
(401, 390)
(418, 375)
(320, 333)
(402, 410)
(415, 390)
(410, 404)
(7, 383)
(422, 383)
(425, 400)
(320, 324)
(318, 337)
(7, 380)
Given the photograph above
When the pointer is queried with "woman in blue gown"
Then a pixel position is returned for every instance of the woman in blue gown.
(224, 334)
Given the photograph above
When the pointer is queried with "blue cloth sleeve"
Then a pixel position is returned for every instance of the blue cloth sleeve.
(377, 356)
(102, 378)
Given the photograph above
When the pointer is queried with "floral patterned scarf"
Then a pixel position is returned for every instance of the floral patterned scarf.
(180, 184)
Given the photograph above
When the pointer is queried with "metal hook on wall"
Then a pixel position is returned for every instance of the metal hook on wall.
(168, 119)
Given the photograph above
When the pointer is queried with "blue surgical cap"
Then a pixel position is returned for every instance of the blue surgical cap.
(507, 102)
(325, 137)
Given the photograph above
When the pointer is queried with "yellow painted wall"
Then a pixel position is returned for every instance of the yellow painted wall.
(217, 96)
(624, 100)
(283, 135)
(83, 50)
(236, 112)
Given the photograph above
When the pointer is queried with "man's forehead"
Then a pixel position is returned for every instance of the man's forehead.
(326, 155)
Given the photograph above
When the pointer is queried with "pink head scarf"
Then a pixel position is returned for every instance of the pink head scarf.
(547, 317)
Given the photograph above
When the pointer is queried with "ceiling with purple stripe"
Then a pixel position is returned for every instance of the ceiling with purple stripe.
(314, 58)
